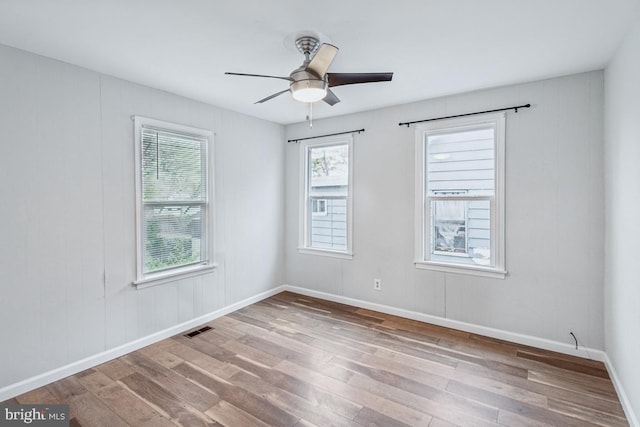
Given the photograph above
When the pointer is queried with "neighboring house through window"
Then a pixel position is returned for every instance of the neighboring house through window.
(325, 212)
(173, 198)
(460, 195)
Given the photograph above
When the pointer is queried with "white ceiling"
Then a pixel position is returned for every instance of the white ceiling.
(434, 47)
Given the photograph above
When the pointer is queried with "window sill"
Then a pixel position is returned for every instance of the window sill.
(327, 253)
(461, 269)
(178, 274)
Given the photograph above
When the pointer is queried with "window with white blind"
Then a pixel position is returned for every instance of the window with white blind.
(460, 195)
(325, 212)
(173, 192)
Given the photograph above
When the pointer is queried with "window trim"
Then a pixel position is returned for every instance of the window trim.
(304, 214)
(173, 274)
(497, 220)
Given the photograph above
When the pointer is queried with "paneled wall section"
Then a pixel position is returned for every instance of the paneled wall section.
(67, 216)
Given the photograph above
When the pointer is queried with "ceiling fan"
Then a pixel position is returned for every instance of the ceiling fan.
(311, 82)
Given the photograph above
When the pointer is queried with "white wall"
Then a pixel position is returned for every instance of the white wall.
(67, 214)
(622, 186)
(554, 215)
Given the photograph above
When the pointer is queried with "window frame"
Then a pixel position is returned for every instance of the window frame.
(423, 260)
(206, 264)
(305, 212)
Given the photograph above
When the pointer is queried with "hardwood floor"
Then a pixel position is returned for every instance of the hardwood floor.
(292, 360)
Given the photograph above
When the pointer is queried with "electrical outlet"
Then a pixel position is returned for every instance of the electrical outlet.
(377, 284)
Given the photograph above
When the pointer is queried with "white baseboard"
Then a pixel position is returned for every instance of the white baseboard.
(32, 383)
(588, 353)
(624, 399)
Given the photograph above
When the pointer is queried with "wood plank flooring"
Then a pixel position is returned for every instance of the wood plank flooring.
(292, 360)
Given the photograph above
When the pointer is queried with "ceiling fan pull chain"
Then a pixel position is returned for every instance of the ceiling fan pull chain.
(310, 115)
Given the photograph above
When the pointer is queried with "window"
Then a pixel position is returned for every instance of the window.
(325, 223)
(319, 207)
(173, 196)
(460, 195)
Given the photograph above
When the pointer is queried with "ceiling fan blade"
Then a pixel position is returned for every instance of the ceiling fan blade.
(271, 96)
(339, 79)
(259, 75)
(331, 98)
(322, 59)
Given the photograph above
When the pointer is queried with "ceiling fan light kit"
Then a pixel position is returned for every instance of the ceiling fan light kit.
(309, 90)
(311, 82)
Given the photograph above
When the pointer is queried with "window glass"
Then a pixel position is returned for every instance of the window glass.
(173, 197)
(329, 177)
(460, 170)
(326, 196)
(173, 170)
